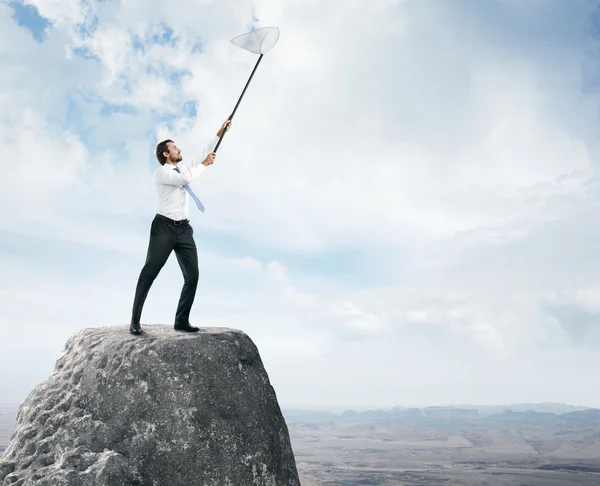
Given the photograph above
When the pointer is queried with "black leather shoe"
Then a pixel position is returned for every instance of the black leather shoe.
(135, 328)
(186, 327)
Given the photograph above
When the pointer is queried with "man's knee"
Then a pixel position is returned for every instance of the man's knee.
(192, 275)
(151, 270)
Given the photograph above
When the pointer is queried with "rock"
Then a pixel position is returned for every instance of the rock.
(162, 409)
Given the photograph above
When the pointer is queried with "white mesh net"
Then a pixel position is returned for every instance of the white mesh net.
(259, 41)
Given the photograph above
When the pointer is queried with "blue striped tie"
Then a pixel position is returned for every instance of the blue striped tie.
(194, 197)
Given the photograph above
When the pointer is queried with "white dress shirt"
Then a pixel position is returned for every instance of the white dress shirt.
(173, 199)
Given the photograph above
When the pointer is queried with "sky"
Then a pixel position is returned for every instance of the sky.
(404, 213)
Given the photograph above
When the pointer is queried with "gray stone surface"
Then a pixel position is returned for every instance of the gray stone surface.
(162, 409)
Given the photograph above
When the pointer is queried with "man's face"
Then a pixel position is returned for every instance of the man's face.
(174, 154)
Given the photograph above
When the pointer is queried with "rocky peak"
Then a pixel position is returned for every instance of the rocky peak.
(162, 409)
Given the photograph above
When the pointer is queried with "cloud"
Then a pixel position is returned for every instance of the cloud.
(361, 177)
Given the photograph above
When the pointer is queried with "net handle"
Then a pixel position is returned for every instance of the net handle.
(238, 102)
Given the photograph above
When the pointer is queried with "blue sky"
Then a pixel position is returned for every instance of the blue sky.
(27, 16)
(405, 181)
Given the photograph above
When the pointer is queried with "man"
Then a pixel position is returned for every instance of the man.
(171, 230)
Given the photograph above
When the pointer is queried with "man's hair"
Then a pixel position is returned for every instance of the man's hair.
(160, 148)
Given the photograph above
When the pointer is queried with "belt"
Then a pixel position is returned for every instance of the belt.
(173, 221)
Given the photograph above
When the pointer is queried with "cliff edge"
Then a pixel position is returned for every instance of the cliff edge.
(162, 409)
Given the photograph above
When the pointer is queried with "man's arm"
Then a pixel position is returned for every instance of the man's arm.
(168, 175)
(202, 158)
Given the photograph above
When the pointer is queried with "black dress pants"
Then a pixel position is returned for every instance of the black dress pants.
(167, 235)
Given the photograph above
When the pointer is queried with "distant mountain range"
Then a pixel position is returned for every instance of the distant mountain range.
(509, 414)
(549, 407)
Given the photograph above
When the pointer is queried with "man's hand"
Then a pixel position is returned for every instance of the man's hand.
(210, 158)
(225, 127)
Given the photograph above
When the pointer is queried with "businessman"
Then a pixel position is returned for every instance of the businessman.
(170, 229)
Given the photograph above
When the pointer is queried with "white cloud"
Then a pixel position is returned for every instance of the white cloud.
(36, 144)
(278, 276)
(112, 46)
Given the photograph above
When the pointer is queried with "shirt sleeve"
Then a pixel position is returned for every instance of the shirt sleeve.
(168, 175)
(198, 160)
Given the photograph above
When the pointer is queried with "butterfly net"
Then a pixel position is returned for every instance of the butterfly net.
(259, 41)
